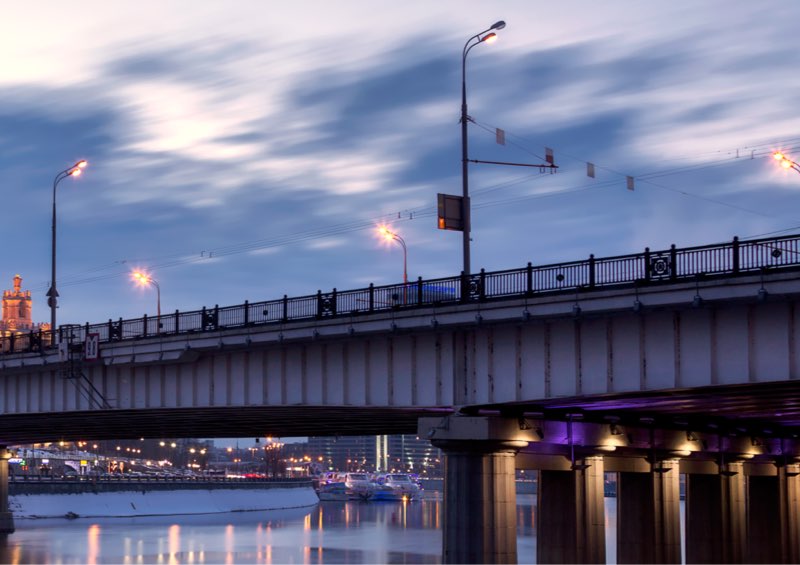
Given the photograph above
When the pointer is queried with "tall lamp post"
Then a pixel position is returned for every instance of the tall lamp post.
(486, 36)
(389, 235)
(785, 162)
(52, 294)
(146, 280)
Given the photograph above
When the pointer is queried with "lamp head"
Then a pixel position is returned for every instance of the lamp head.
(76, 169)
(786, 164)
(489, 38)
(778, 156)
(498, 25)
(386, 233)
(141, 278)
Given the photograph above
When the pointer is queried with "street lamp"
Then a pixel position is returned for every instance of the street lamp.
(486, 36)
(146, 280)
(389, 235)
(52, 294)
(785, 162)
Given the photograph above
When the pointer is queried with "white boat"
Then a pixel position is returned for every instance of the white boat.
(358, 486)
(381, 492)
(396, 486)
(334, 491)
(330, 487)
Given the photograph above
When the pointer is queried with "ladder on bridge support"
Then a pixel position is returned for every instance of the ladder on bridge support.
(72, 354)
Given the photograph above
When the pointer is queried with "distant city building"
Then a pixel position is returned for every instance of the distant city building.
(403, 453)
(17, 307)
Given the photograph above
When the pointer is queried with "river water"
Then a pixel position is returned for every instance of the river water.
(330, 532)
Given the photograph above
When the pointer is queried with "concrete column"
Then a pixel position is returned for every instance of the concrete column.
(774, 517)
(789, 483)
(715, 517)
(6, 518)
(480, 503)
(648, 515)
(571, 525)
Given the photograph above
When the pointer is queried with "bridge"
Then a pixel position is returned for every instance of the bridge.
(651, 365)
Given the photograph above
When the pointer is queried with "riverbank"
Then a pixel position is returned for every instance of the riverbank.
(127, 500)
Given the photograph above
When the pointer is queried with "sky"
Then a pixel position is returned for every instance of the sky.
(245, 150)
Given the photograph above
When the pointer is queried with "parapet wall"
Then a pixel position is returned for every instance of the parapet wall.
(16, 488)
(195, 498)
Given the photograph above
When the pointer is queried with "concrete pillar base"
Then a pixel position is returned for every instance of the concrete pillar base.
(571, 526)
(6, 518)
(648, 515)
(6, 523)
(480, 503)
(715, 517)
(774, 517)
(480, 520)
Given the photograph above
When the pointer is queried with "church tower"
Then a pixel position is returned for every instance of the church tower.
(16, 309)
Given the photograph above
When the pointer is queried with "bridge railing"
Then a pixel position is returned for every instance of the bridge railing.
(753, 255)
(650, 267)
(613, 270)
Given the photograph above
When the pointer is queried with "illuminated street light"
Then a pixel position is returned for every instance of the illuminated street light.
(785, 162)
(389, 235)
(52, 294)
(146, 280)
(486, 36)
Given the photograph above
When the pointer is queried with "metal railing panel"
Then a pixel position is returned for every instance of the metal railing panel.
(643, 268)
(616, 270)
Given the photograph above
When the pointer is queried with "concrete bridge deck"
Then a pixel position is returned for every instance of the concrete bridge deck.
(649, 365)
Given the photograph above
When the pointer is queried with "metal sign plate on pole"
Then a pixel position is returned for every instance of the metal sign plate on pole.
(63, 351)
(91, 350)
(450, 212)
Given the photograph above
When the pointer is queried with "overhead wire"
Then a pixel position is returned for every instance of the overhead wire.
(180, 259)
(760, 150)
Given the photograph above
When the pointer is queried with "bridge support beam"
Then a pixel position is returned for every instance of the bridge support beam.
(648, 515)
(480, 504)
(6, 518)
(774, 517)
(571, 526)
(716, 516)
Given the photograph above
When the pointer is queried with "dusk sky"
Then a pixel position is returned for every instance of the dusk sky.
(247, 150)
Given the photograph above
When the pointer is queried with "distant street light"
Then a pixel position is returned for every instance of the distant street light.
(52, 294)
(486, 36)
(146, 280)
(389, 235)
(785, 162)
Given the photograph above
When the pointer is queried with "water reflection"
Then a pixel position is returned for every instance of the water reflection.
(329, 533)
(351, 532)
(92, 544)
(173, 543)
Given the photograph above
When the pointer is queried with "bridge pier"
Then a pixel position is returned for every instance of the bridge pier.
(571, 526)
(716, 516)
(480, 506)
(6, 518)
(648, 515)
(774, 517)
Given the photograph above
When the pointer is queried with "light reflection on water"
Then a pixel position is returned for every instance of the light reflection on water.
(330, 532)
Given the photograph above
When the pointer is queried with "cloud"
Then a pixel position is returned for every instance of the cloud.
(250, 131)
